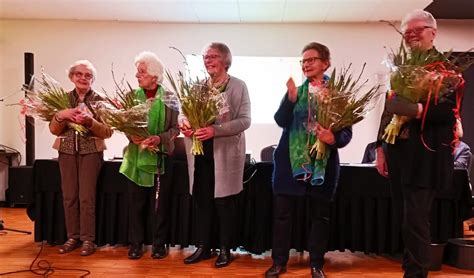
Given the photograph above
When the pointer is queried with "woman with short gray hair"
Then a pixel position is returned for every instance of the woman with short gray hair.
(80, 158)
(216, 178)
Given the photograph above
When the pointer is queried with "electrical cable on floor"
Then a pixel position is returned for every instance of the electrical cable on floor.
(44, 267)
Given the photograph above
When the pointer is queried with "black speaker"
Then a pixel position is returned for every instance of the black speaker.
(20, 186)
(29, 121)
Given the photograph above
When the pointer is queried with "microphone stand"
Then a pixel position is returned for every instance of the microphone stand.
(2, 227)
(12, 94)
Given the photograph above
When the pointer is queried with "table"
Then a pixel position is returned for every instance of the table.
(364, 219)
(9, 155)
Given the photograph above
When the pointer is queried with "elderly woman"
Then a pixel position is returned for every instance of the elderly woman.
(80, 158)
(145, 163)
(296, 176)
(414, 170)
(216, 177)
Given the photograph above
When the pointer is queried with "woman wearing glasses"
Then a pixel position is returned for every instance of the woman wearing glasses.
(80, 158)
(420, 162)
(216, 178)
(297, 177)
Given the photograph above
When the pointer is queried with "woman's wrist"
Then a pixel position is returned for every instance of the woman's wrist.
(420, 111)
(58, 118)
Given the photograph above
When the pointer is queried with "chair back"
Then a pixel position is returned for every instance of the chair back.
(266, 154)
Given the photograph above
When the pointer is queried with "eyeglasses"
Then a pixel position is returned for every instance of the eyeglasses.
(415, 31)
(210, 57)
(309, 60)
(141, 72)
(87, 76)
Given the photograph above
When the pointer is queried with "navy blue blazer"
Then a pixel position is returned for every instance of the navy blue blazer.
(283, 181)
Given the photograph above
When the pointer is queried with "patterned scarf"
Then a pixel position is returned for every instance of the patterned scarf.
(140, 166)
(303, 166)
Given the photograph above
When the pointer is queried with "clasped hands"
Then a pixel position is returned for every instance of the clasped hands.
(75, 115)
(202, 134)
(150, 143)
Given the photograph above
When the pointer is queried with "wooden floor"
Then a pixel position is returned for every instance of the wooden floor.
(17, 251)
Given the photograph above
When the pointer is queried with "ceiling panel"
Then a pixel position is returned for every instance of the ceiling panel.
(231, 11)
(303, 11)
(349, 12)
(217, 11)
(261, 11)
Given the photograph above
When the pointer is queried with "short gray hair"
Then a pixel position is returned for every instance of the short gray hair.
(154, 66)
(418, 15)
(224, 51)
(87, 64)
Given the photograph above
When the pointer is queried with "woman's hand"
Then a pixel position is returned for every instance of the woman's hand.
(185, 128)
(204, 133)
(67, 114)
(325, 135)
(151, 142)
(292, 90)
(137, 140)
(381, 162)
(83, 119)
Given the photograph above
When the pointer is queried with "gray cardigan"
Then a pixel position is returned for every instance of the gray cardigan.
(229, 142)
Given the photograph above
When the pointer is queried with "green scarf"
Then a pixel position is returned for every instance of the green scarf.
(303, 166)
(140, 166)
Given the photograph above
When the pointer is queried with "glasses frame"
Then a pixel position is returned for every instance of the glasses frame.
(309, 60)
(86, 76)
(211, 57)
(416, 30)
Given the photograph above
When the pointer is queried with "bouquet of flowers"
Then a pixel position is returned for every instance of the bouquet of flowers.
(200, 102)
(45, 99)
(123, 112)
(420, 76)
(340, 104)
(131, 120)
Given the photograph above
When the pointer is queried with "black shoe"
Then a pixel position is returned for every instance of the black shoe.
(159, 251)
(201, 253)
(135, 251)
(224, 257)
(317, 273)
(275, 270)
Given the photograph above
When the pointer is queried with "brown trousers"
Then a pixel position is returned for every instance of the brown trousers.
(79, 175)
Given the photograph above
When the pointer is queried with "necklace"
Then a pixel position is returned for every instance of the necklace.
(220, 85)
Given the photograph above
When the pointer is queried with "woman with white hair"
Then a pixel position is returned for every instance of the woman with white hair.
(80, 158)
(148, 169)
(417, 172)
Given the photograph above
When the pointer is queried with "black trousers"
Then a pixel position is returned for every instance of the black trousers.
(211, 213)
(415, 204)
(142, 199)
(283, 209)
(416, 230)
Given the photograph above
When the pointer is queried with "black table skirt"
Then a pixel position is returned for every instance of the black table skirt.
(364, 215)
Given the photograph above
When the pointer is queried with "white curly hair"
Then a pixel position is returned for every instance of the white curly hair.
(154, 66)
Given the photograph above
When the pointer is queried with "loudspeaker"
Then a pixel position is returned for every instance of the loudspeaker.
(20, 186)
(29, 121)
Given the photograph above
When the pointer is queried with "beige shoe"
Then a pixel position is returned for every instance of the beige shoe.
(88, 248)
(68, 246)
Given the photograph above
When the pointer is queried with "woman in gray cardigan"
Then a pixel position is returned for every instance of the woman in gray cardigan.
(216, 177)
